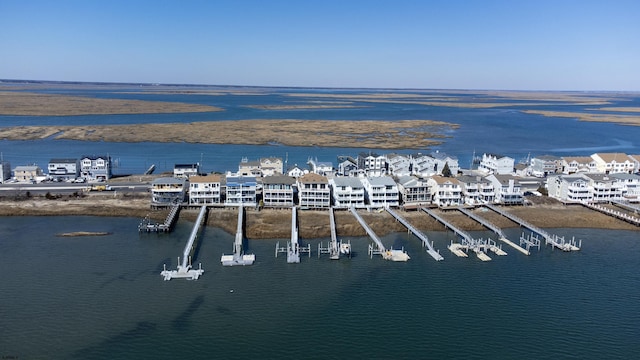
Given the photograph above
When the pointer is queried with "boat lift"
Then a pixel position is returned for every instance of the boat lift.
(467, 243)
(238, 257)
(555, 240)
(425, 240)
(334, 248)
(184, 269)
(293, 248)
(379, 249)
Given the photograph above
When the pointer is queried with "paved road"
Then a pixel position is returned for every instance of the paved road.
(69, 188)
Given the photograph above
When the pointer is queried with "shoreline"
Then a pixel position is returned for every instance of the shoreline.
(276, 223)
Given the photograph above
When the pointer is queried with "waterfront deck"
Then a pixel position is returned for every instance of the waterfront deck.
(147, 225)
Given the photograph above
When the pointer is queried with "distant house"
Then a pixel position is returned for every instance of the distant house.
(314, 191)
(266, 166)
(496, 164)
(64, 169)
(95, 167)
(277, 191)
(5, 171)
(381, 191)
(614, 163)
(320, 167)
(372, 164)
(508, 189)
(399, 165)
(424, 165)
(205, 189)
(414, 191)
(271, 166)
(441, 159)
(578, 164)
(296, 171)
(186, 170)
(347, 166)
(27, 173)
(166, 191)
(241, 191)
(544, 165)
(249, 168)
(347, 192)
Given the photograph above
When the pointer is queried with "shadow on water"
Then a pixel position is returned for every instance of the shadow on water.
(105, 349)
(181, 322)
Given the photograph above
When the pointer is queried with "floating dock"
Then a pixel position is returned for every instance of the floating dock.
(184, 269)
(489, 225)
(425, 240)
(238, 257)
(393, 255)
(554, 240)
(467, 243)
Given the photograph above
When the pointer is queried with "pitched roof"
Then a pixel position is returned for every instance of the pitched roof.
(611, 157)
(313, 178)
(211, 178)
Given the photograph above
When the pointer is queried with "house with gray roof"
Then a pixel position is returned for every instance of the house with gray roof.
(277, 191)
(381, 191)
(347, 192)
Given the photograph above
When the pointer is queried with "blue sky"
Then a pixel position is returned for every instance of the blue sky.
(492, 44)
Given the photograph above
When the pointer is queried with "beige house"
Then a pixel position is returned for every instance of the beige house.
(314, 191)
(204, 189)
(27, 173)
(613, 163)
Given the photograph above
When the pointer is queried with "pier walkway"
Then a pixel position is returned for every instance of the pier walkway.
(616, 214)
(463, 234)
(184, 269)
(425, 240)
(489, 225)
(334, 248)
(394, 255)
(293, 248)
(238, 257)
(555, 240)
(479, 246)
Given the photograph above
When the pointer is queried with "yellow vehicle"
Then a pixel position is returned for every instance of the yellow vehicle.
(100, 187)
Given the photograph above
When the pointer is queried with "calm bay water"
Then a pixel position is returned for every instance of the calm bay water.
(103, 297)
(504, 130)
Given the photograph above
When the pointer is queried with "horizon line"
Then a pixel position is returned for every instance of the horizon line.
(27, 81)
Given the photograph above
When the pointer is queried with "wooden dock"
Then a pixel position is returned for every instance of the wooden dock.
(614, 213)
(425, 240)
